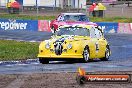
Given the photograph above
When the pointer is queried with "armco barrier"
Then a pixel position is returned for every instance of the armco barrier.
(12, 24)
(125, 28)
(44, 25)
(108, 27)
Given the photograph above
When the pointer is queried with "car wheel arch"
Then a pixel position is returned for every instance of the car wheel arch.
(108, 46)
(86, 46)
(53, 28)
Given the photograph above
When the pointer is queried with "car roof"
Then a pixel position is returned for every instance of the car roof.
(73, 13)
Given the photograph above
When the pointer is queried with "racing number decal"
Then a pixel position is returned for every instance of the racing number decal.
(97, 46)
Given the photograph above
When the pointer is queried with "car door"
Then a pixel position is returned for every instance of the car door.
(92, 45)
(100, 43)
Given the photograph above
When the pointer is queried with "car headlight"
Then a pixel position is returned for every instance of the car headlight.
(47, 46)
(69, 46)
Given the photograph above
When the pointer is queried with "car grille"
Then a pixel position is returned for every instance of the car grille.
(58, 48)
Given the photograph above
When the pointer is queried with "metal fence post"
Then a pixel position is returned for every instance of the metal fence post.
(53, 9)
(78, 6)
(122, 9)
(22, 8)
(37, 6)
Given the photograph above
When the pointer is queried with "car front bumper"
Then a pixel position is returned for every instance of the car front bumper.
(75, 56)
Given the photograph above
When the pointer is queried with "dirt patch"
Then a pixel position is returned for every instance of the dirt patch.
(7, 79)
(54, 80)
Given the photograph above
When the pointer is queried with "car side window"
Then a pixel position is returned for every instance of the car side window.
(98, 33)
(60, 18)
(95, 33)
(66, 17)
(92, 33)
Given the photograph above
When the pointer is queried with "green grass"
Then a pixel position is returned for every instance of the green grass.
(14, 50)
(93, 19)
(112, 19)
(26, 17)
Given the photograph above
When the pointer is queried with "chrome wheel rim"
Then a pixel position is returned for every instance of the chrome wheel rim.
(107, 53)
(86, 55)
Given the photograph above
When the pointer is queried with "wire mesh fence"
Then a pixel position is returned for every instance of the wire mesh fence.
(121, 10)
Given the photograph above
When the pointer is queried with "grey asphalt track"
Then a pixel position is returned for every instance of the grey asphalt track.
(120, 60)
(24, 35)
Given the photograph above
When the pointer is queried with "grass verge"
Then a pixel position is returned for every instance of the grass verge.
(112, 19)
(93, 19)
(14, 50)
(26, 17)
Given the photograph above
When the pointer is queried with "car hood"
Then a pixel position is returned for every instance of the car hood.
(67, 38)
(80, 22)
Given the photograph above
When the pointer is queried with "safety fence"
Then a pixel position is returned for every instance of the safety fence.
(44, 25)
(30, 7)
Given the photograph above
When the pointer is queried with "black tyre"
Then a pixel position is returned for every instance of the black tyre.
(43, 61)
(86, 55)
(53, 29)
(107, 54)
(81, 80)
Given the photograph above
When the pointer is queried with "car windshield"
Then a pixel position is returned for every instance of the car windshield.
(76, 18)
(73, 31)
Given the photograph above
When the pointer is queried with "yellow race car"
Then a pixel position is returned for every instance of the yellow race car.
(75, 42)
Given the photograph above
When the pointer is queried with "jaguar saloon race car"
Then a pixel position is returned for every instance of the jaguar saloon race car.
(75, 42)
(69, 19)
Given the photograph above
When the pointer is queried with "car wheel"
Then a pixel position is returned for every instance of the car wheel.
(86, 55)
(43, 61)
(53, 29)
(107, 54)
